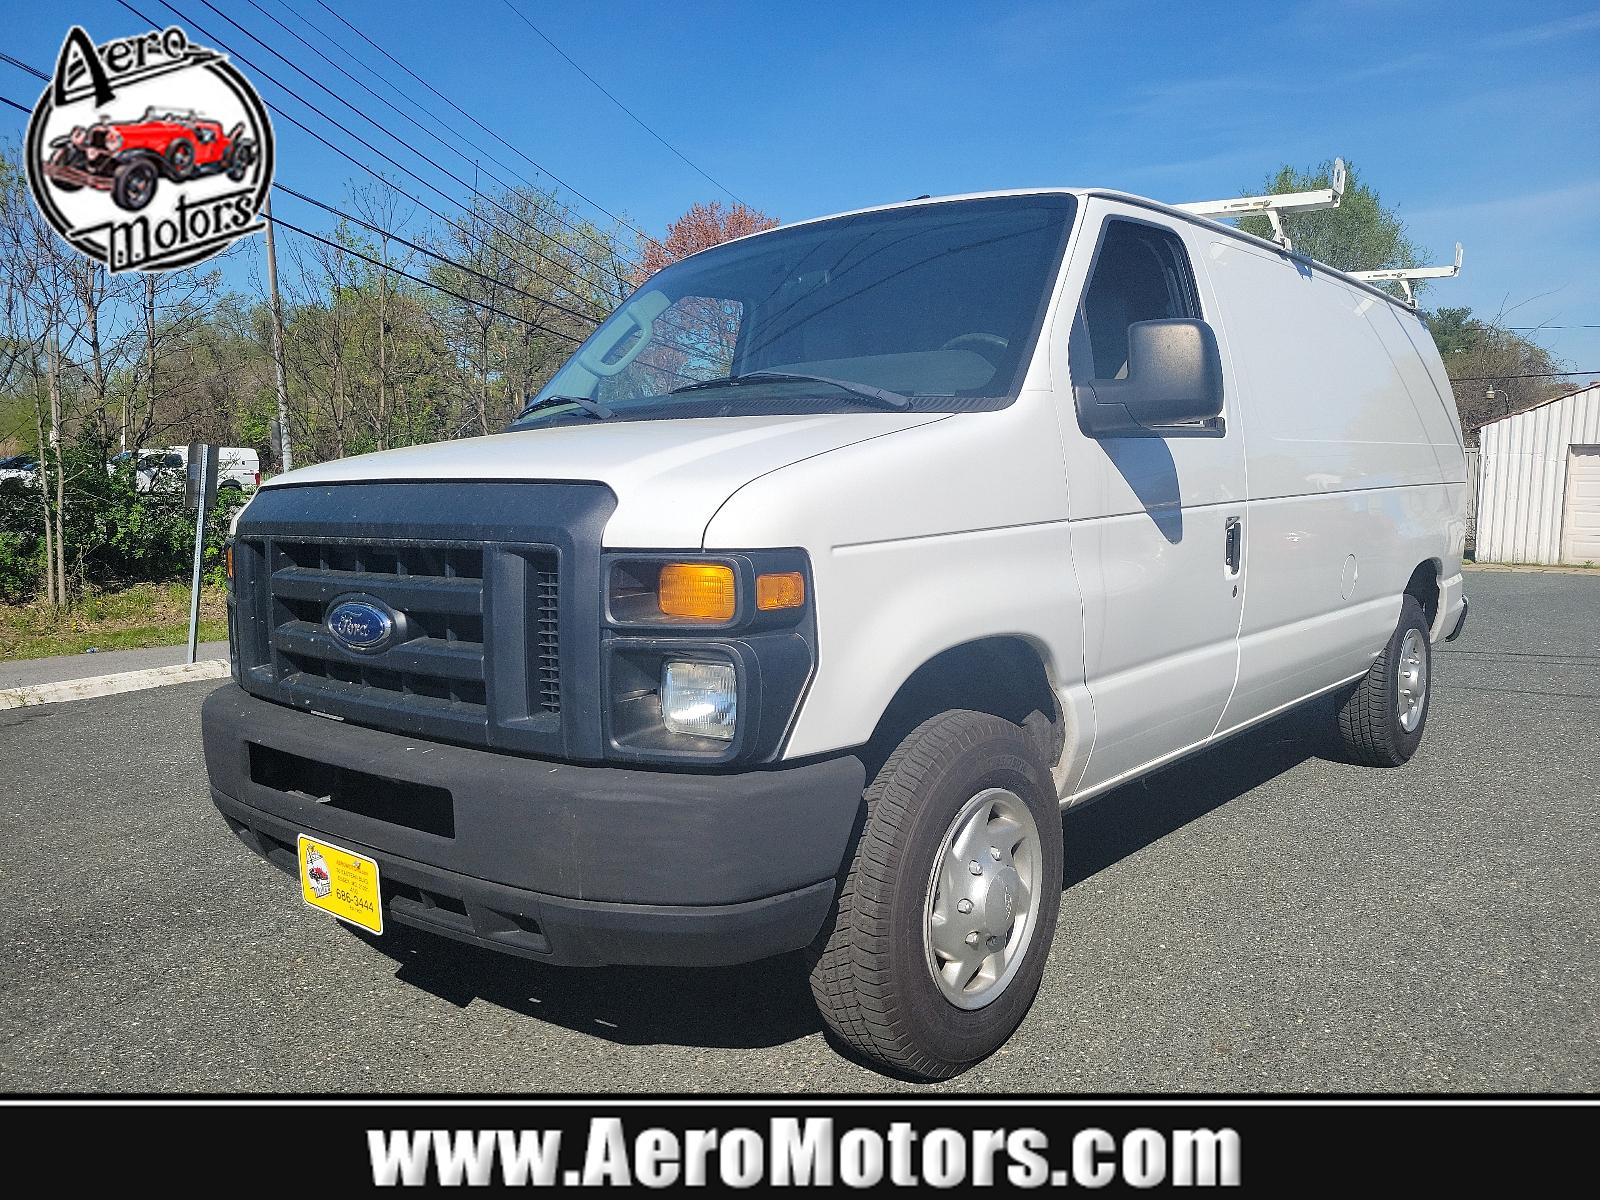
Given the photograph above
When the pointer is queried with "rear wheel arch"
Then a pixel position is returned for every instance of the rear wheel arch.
(1424, 587)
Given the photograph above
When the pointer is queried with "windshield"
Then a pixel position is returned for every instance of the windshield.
(938, 305)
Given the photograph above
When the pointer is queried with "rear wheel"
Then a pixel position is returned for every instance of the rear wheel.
(1382, 719)
(947, 912)
(180, 157)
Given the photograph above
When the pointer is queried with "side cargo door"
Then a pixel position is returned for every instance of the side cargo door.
(1156, 521)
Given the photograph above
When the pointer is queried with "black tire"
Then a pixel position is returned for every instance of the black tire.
(134, 184)
(240, 154)
(180, 158)
(1371, 719)
(872, 980)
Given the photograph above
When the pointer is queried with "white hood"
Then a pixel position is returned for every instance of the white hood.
(669, 477)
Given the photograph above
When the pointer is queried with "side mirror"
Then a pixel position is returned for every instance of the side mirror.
(1174, 376)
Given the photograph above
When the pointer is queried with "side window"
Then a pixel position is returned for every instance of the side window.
(1141, 273)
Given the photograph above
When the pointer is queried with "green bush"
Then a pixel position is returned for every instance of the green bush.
(21, 541)
(116, 535)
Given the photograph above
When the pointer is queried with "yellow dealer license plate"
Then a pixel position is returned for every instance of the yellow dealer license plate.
(341, 882)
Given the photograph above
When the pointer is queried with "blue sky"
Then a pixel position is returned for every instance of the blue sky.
(1479, 122)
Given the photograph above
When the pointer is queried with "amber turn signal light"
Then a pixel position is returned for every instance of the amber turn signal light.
(697, 592)
(227, 561)
(786, 589)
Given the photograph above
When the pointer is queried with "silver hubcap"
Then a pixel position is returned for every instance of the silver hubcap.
(1412, 679)
(983, 898)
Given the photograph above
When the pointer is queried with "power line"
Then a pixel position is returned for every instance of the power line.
(22, 66)
(21, 108)
(1540, 328)
(508, 145)
(638, 120)
(460, 266)
(388, 183)
(449, 145)
(1528, 375)
(363, 141)
(500, 312)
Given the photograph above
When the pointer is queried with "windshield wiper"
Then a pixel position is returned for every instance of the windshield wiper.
(863, 391)
(593, 407)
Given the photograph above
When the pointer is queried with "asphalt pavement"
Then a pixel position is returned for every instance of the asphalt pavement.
(1260, 917)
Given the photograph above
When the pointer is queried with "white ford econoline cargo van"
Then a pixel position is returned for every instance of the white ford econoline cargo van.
(833, 565)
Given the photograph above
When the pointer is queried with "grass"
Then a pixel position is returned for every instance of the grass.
(147, 614)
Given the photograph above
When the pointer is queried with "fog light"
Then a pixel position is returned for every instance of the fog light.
(700, 698)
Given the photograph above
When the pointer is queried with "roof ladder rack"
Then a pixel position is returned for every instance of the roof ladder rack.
(1404, 275)
(1274, 206)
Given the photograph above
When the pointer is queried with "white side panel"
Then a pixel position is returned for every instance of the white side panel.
(1328, 410)
(1302, 631)
(1347, 444)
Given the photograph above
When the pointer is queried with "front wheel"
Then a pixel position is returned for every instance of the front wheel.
(947, 911)
(1382, 719)
(133, 185)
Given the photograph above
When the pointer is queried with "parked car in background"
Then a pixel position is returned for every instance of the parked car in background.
(239, 468)
(128, 158)
(20, 467)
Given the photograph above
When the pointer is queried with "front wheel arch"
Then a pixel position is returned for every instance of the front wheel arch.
(1005, 677)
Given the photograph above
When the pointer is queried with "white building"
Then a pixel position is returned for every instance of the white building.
(1539, 483)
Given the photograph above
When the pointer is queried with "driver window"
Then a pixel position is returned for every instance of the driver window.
(1141, 273)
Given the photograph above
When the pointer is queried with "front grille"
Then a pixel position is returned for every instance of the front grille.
(547, 636)
(437, 677)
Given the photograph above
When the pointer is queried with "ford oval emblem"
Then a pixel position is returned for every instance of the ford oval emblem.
(360, 624)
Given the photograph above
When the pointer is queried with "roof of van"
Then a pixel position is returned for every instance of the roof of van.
(1102, 193)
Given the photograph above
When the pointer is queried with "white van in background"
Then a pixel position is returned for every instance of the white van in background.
(833, 565)
(239, 468)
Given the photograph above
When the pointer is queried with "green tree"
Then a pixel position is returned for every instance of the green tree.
(1362, 234)
(1490, 366)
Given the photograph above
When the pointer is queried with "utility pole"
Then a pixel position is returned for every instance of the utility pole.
(150, 347)
(285, 453)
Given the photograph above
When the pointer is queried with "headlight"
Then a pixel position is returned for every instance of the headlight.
(667, 593)
(704, 594)
(113, 140)
(705, 656)
(700, 699)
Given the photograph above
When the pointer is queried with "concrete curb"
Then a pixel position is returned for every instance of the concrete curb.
(110, 685)
(1531, 568)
